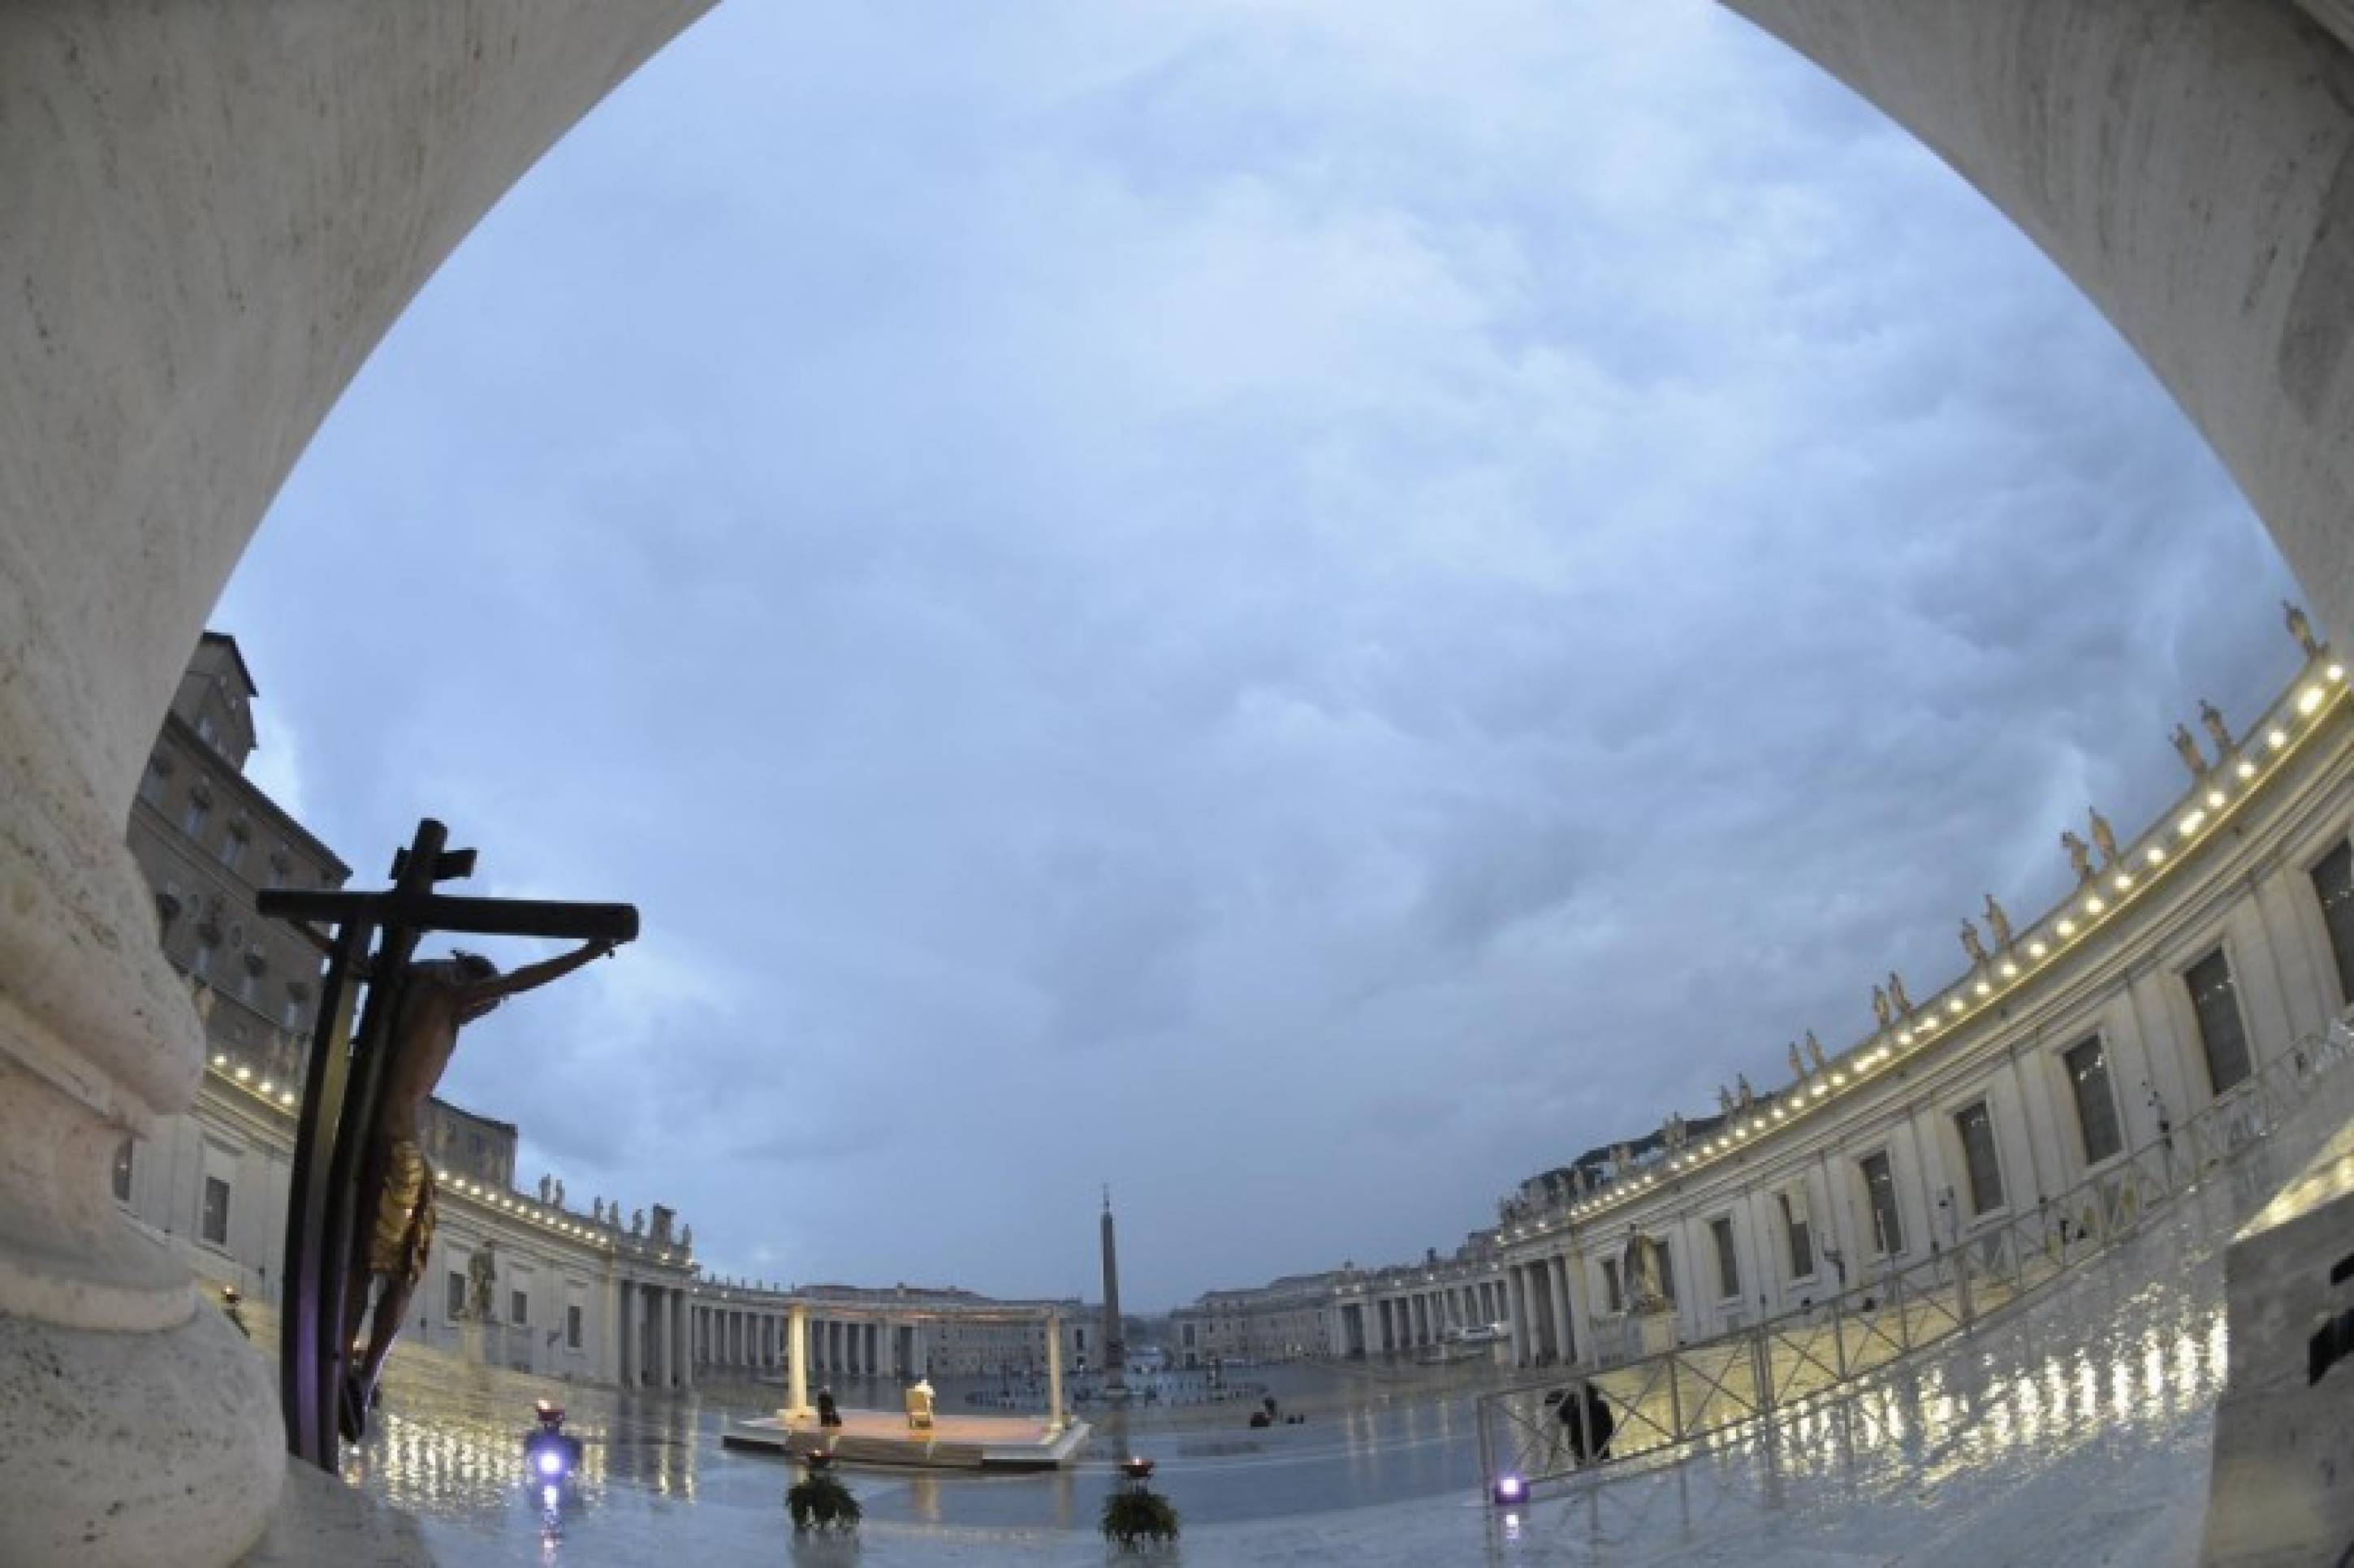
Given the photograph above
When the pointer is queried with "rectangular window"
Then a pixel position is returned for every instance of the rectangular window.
(200, 962)
(2221, 1034)
(453, 1303)
(192, 822)
(1798, 1225)
(2333, 884)
(1612, 1291)
(1728, 1261)
(213, 1224)
(151, 783)
(1880, 1186)
(2096, 1108)
(290, 1018)
(122, 1171)
(518, 1306)
(1976, 1130)
(231, 851)
(572, 1326)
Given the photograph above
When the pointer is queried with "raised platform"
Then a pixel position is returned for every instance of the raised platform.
(883, 1437)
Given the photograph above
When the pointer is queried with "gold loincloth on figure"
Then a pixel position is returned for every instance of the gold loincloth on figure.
(404, 1214)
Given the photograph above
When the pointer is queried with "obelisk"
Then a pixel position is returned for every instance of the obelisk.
(1115, 1345)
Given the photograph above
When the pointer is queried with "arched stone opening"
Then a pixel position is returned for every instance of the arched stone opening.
(218, 208)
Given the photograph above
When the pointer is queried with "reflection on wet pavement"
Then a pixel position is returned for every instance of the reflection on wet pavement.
(2074, 1430)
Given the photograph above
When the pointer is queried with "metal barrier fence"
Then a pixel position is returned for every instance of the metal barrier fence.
(1570, 1420)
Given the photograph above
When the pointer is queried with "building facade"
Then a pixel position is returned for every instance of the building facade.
(2217, 940)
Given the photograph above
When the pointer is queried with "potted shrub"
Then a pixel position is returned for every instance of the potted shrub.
(819, 1501)
(1135, 1513)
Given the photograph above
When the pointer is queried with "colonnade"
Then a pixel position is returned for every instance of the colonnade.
(1411, 1318)
(1545, 1310)
(737, 1337)
(652, 1327)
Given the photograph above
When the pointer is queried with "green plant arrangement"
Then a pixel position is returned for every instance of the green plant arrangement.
(1135, 1513)
(819, 1501)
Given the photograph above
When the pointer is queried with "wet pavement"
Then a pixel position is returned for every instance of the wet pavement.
(2074, 1430)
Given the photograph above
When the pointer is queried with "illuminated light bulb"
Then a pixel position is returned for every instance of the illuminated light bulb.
(2215, 800)
(1955, 1005)
(2247, 769)
(2036, 949)
(2190, 824)
(1821, 1089)
(1905, 1038)
(2309, 699)
(2277, 739)
(2336, 671)
(286, 1097)
(2123, 881)
(2153, 855)
(245, 1075)
(2093, 905)
(1777, 1113)
(1983, 989)
(268, 1088)
(1741, 1133)
(2009, 969)
(1927, 1025)
(220, 1060)
(2067, 928)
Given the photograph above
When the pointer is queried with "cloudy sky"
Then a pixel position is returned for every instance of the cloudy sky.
(1304, 607)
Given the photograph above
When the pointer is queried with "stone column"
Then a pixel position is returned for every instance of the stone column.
(797, 1404)
(1054, 1376)
(1522, 1344)
(683, 1305)
(1557, 1278)
(633, 1334)
(665, 1376)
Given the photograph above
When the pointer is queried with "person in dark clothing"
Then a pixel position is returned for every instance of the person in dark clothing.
(1589, 1439)
(828, 1412)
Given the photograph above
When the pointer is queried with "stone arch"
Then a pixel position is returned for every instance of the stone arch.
(217, 207)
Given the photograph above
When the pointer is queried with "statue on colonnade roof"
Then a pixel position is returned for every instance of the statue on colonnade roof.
(2301, 628)
(2186, 745)
(1998, 923)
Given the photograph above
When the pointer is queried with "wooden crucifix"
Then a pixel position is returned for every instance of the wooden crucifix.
(360, 1204)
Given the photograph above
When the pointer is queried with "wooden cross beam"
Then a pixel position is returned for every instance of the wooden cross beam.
(344, 1081)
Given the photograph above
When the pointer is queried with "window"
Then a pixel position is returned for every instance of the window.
(453, 1304)
(518, 1306)
(572, 1326)
(232, 850)
(245, 984)
(1611, 1289)
(291, 1016)
(1798, 1225)
(206, 730)
(2333, 884)
(2096, 1108)
(1880, 1186)
(200, 962)
(151, 783)
(192, 821)
(122, 1171)
(2221, 1034)
(1975, 1128)
(1728, 1262)
(213, 1224)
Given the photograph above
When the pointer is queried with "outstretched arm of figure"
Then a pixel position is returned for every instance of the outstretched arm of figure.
(532, 975)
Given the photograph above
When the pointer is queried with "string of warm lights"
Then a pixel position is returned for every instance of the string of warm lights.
(2210, 803)
(283, 1097)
